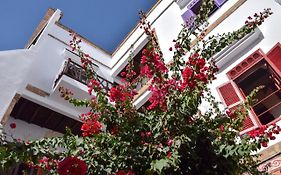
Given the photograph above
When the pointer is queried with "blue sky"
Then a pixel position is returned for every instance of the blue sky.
(104, 22)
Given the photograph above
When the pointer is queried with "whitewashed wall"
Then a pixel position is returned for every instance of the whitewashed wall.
(26, 131)
(14, 67)
(39, 65)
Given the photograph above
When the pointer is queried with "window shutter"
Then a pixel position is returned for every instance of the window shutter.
(232, 98)
(229, 95)
(188, 18)
(219, 2)
(274, 58)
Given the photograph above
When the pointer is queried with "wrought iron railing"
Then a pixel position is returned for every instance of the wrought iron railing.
(273, 104)
(78, 73)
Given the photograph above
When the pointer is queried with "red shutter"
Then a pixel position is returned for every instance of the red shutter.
(229, 94)
(274, 58)
(231, 98)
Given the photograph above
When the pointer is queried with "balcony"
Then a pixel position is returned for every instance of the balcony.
(76, 72)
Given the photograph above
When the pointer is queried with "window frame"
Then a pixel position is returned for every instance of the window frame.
(239, 70)
(190, 19)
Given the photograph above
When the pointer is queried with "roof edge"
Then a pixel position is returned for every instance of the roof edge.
(82, 38)
(40, 26)
(120, 44)
(134, 29)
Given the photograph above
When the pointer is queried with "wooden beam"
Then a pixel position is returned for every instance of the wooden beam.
(22, 106)
(49, 118)
(56, 128)
(10, 108)
(35, 113)
(36, 90)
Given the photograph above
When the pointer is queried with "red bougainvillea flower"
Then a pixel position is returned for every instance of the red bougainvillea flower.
(169, 154)
(221, 128)
(91, 127)
(122, 172)
(91, 124)
(264, 144)
(72, 166)
(169, 142)
(148, 134)
(13, 125)
(115, 94)
(120, 94)
(45, 162)
(93, 85)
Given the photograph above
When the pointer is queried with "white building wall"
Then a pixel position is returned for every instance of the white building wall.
(14, 67)
(26, 131)
(39, 65)
(269, 29)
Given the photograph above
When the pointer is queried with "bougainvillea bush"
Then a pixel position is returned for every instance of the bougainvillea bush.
(170, 135)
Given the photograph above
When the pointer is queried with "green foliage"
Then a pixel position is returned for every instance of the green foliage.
(173, 137)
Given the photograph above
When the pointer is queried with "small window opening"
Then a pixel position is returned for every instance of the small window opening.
(196, 8)
(136, 62)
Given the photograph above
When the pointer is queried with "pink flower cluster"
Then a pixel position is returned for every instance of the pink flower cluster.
(93, 85)
(91, 124)
(47, 163)
(129, 74)
(160, 91)
(44, 163)
(85, 60)
(152, 64)
(265, 133)
(195, 72)
(120, 94)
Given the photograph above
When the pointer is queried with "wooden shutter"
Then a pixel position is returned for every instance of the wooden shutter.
(273, 57)
(188, 18)
(231, 98)
(229, 94)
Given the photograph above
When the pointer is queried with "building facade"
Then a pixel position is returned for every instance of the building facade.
(31, 77)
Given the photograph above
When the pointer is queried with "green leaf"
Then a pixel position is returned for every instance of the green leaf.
(159, 165)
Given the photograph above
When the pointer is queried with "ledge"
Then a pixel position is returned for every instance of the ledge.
(229, 53)
(182, 3)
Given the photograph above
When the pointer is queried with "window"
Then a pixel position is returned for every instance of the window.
(137, 65)
(268, 105)
(193, 10)
(256, 70)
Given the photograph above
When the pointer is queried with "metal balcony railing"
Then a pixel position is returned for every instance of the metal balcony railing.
(76, 72)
